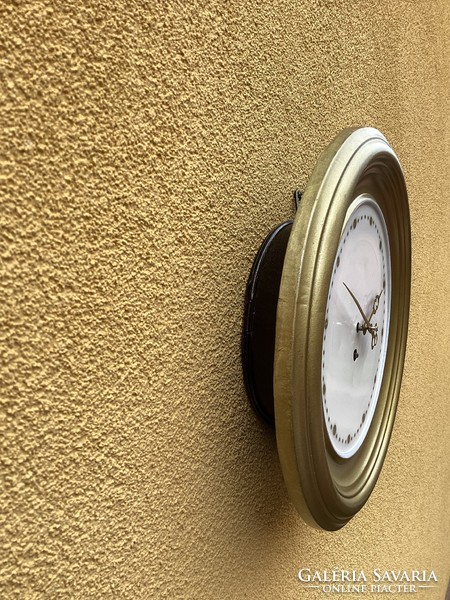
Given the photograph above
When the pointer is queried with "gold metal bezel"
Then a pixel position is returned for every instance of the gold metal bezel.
(326, 489)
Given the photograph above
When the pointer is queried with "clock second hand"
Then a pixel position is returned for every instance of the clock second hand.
(368, 326)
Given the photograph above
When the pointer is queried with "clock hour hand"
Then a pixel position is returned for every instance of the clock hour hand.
(374, 339)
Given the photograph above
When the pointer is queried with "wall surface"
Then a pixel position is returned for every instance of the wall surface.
(146, 149)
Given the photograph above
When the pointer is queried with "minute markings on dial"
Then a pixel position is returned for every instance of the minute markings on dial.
(368, 316)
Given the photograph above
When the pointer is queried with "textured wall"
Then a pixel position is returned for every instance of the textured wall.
(146, 149)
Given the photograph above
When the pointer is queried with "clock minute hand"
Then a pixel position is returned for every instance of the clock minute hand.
(376, 303)
(366, 320)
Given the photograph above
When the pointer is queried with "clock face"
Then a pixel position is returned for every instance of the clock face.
(356, 327)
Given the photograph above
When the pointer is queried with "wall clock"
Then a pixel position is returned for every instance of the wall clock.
(326, 323)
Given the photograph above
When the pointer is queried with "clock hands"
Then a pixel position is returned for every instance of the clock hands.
(376, 304)
(367, 326)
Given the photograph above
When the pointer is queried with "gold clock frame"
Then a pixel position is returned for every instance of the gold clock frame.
(326, 489)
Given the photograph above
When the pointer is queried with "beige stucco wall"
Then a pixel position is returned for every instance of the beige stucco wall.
(146, 149)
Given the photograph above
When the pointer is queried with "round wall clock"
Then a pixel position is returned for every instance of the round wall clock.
(326, 323)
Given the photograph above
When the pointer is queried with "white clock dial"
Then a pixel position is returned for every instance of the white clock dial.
(356, 326)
